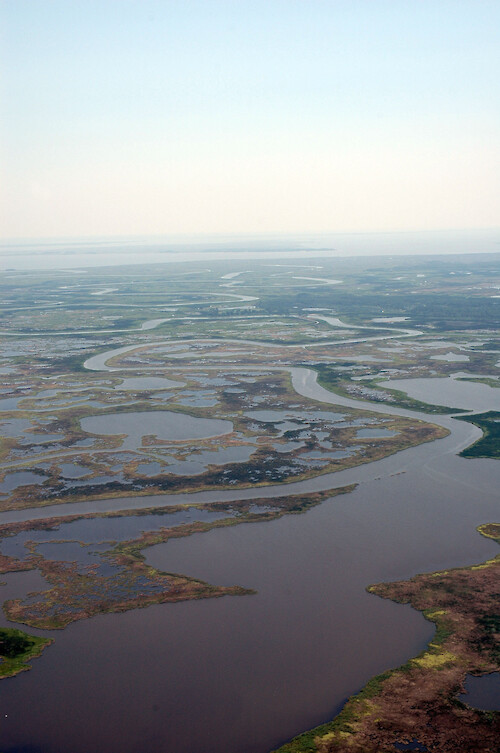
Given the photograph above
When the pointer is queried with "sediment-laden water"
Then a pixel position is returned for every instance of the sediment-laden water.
(243, 674)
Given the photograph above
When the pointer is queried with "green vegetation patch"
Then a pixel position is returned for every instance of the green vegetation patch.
(488, 446)
(338, 382)
(16, 648)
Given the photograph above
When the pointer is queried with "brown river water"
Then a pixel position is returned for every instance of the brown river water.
(244, 674)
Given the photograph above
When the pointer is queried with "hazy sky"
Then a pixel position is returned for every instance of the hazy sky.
(202, 116)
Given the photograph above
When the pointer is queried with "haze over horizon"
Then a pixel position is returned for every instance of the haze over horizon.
(251, 117)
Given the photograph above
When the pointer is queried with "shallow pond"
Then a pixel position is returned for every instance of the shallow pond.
(72, 470)
(149, 469)
(148, 383)
(163, 424)
(14, 427)
(482, 692)
(16, 479)
(67, 551)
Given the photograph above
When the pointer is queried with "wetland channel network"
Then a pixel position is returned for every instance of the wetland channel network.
(245, 674)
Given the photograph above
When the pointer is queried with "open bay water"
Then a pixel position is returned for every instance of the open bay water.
(78, 254)
(244, 674)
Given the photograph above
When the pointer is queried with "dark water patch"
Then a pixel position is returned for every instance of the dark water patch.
(14, 546)
(292, 426)
(16, 479)
(124, 528)
(14, 427)
(73, 470)
(185, 467)
(18, 586)
(9, 403)
(95, 530)
(68, 551)
(163, 424)
(239, 643)
(149, 469)
(412, 745)
(84, 442)
(482, 692)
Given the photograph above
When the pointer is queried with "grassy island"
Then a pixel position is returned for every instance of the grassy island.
(17, 648)
(488, 446)
(374, 390)
(416, 704)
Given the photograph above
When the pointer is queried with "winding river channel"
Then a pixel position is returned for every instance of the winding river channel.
(244, 674)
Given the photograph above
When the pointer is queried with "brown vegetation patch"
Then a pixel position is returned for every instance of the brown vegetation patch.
(417, 703)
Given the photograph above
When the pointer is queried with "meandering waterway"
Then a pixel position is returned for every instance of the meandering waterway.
(244, 674)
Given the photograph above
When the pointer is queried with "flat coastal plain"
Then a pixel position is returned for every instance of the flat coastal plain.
(204, 468)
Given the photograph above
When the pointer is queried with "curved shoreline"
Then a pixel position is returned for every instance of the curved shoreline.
(426, 459)
(417, 702)
(304, 381)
